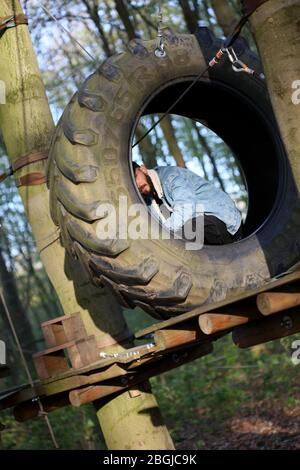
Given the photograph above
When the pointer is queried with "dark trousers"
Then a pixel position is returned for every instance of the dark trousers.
(215, 231)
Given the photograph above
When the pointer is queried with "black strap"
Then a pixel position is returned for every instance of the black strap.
(11, 21)
(249, 7)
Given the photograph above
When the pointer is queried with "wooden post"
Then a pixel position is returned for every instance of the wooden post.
(213, 322)
(27, 126)
(170, 338)
(272, 302)
(94, 392)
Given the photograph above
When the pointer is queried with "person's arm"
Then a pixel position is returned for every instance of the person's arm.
(184, 203)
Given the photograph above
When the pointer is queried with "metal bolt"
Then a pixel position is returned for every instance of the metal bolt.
(287, 322)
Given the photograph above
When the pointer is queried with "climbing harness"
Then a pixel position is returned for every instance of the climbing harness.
(27, 371)
(250, 6)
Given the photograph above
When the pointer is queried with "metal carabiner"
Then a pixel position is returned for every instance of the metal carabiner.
(237, 64)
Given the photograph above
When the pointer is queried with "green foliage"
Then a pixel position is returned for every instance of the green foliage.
(214, 388)
(73, 429)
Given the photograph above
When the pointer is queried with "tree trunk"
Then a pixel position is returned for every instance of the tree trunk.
(276, 24)
(225, 15)
(146, 148)
(190, 16)
(92, 9)
(169, 134)
(123, 12)
(209, 153)
(27, 126)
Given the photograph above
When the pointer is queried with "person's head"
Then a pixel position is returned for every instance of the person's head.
(142, 179)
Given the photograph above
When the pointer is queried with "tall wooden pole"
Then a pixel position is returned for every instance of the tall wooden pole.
(275, 25)
(27, 126)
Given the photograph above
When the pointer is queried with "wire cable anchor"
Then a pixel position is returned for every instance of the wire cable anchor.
(160, 51)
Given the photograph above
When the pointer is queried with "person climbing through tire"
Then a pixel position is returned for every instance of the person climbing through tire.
(170, 189)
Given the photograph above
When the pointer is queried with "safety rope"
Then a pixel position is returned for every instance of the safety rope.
(37, 399)
(249, 7)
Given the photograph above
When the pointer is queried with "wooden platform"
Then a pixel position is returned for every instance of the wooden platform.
(274, 283)
(75, 370)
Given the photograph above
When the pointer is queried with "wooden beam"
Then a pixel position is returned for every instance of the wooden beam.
(28, 410)
(267, 329)
(170, 361)
(272, 302)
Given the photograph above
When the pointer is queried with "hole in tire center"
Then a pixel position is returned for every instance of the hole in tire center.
(220, 135)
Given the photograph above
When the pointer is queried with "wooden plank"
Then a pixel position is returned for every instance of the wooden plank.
(92, 393)
(54, 335)
(153, 365)
(63, 329)
(28, 410)
(269, 285)
(74, 327)
(277, 326)
(11, 398)
(53, 320)
(170, 361)
(55, 349)
(83, 352)
(76, 381)
(54, 361)
(51, 364)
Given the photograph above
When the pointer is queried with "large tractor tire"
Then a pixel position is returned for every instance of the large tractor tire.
(90, 163)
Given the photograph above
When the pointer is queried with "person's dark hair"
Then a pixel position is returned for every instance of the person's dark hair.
(149, 180)
(135, 166)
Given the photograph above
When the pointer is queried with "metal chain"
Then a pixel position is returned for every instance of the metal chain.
(160, 49)
(42, 412)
